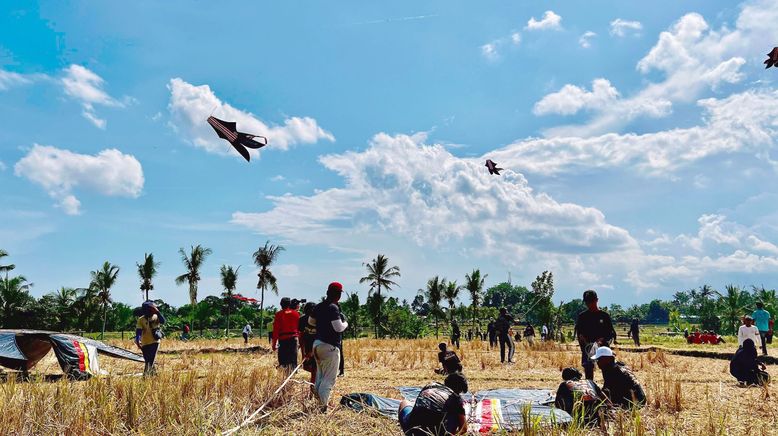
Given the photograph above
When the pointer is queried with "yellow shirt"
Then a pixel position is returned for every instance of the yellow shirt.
(147, 326)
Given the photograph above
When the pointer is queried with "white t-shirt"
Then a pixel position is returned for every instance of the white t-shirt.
(544, 331)
(247, 329)
(752, 333)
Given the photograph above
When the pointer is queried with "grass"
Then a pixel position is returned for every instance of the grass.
(204, 393)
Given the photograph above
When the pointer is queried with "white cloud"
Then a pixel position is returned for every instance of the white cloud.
(570, 99)
(60, 172)
(550, 20)
(2, 166)
(585, 40)
(693, 59)
(516, 38)
(392, 187)
(278, 178)
(489, 51)
(621, 28)
(191, 105)
(9, 79)
(84, 85)
(740, 123)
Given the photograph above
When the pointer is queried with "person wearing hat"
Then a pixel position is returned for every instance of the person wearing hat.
(593, 328)
(330, 324)
(748, 331)
(762, 322)
(148, 333)
(285, 334)
(620, 384)
(580, 397)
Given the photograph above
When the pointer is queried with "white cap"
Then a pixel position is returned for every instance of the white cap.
(603, 352)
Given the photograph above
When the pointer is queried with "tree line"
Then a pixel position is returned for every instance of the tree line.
(92, 309)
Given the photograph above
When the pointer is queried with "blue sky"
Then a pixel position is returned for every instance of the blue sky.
(638, 142)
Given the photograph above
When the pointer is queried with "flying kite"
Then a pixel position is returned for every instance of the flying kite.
(239, 140)
(493, 167)
(772, 58)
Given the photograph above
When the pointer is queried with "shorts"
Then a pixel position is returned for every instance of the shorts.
(405, 418)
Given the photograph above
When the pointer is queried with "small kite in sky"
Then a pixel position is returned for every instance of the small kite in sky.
(493, 167)
(239, 140)
(772, 58)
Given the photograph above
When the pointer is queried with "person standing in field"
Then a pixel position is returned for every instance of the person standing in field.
(529, 334)
(307, 336)
(185, 334)
(492, 333)
(593, 329)
(762, 321)
(502, 326)
(634, 331)
(748, 331)
(246, 333)
(148, 333)
(455, 333)
(543, 333)
(330, 324)
(285, 334)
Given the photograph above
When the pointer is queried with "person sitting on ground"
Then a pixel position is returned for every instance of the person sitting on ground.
(449, 360)
(574, 393)
(695, 337)
(748, 331)
(745, 368)
(285, 334)
(620, 384)
(246, 333)
(438, 409)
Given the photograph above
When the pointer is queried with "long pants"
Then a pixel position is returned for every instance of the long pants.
(506, 341)
(636, 338)
(245, 338)
(763, 335)
(149, 355)
(287, 353)
(492, 339)
(455, 340)
(327, 361)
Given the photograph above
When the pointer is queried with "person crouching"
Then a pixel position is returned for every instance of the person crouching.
(745, 368)
(285, 333)
(620, 384)
(581, 397)
(438, 409)
(449, 360)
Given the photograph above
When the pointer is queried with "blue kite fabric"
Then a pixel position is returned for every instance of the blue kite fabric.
(488, 411)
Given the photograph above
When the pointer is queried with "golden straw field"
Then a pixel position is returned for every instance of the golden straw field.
(205, 393)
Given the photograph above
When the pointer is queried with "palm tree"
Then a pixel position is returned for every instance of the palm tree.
(64, 299)
(451, 293)
(474, 284)
(378, 276)
(5, 268)
(102, 282)
(14, 297)
(263, 258)
(147, 271)
(192, 262)
(734, 303)
(435, 289)
(229, 278)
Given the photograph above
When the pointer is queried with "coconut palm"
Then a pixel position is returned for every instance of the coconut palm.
(434, 293)
(474, 284)
(192, 262)
(451, 293)
(229, 279)
(379, 276)
(734, 303)
(64, 299)
(5, 268)
(102, 282)
(147, 271)
(263, 258)
(14, 298)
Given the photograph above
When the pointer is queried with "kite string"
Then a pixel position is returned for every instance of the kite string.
(251, 418)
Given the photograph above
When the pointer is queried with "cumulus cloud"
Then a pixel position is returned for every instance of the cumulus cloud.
(692, 59)
(585, 40)
(570, 99)
(60, 172)
(740, 123)
(621, 27)
(86, 87)
(550, 21)
(391, 187)
(191, 105)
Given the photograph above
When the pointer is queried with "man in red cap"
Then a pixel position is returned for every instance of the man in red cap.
(330, 324)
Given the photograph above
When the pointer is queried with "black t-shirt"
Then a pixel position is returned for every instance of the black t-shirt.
(587, 391)
(324, 313)
(437, 411)
(308, 333)
(503, 324)
(450, 361)
(595, 325)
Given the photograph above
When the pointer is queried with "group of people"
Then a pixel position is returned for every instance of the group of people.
(705, 337)
(757, 330)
